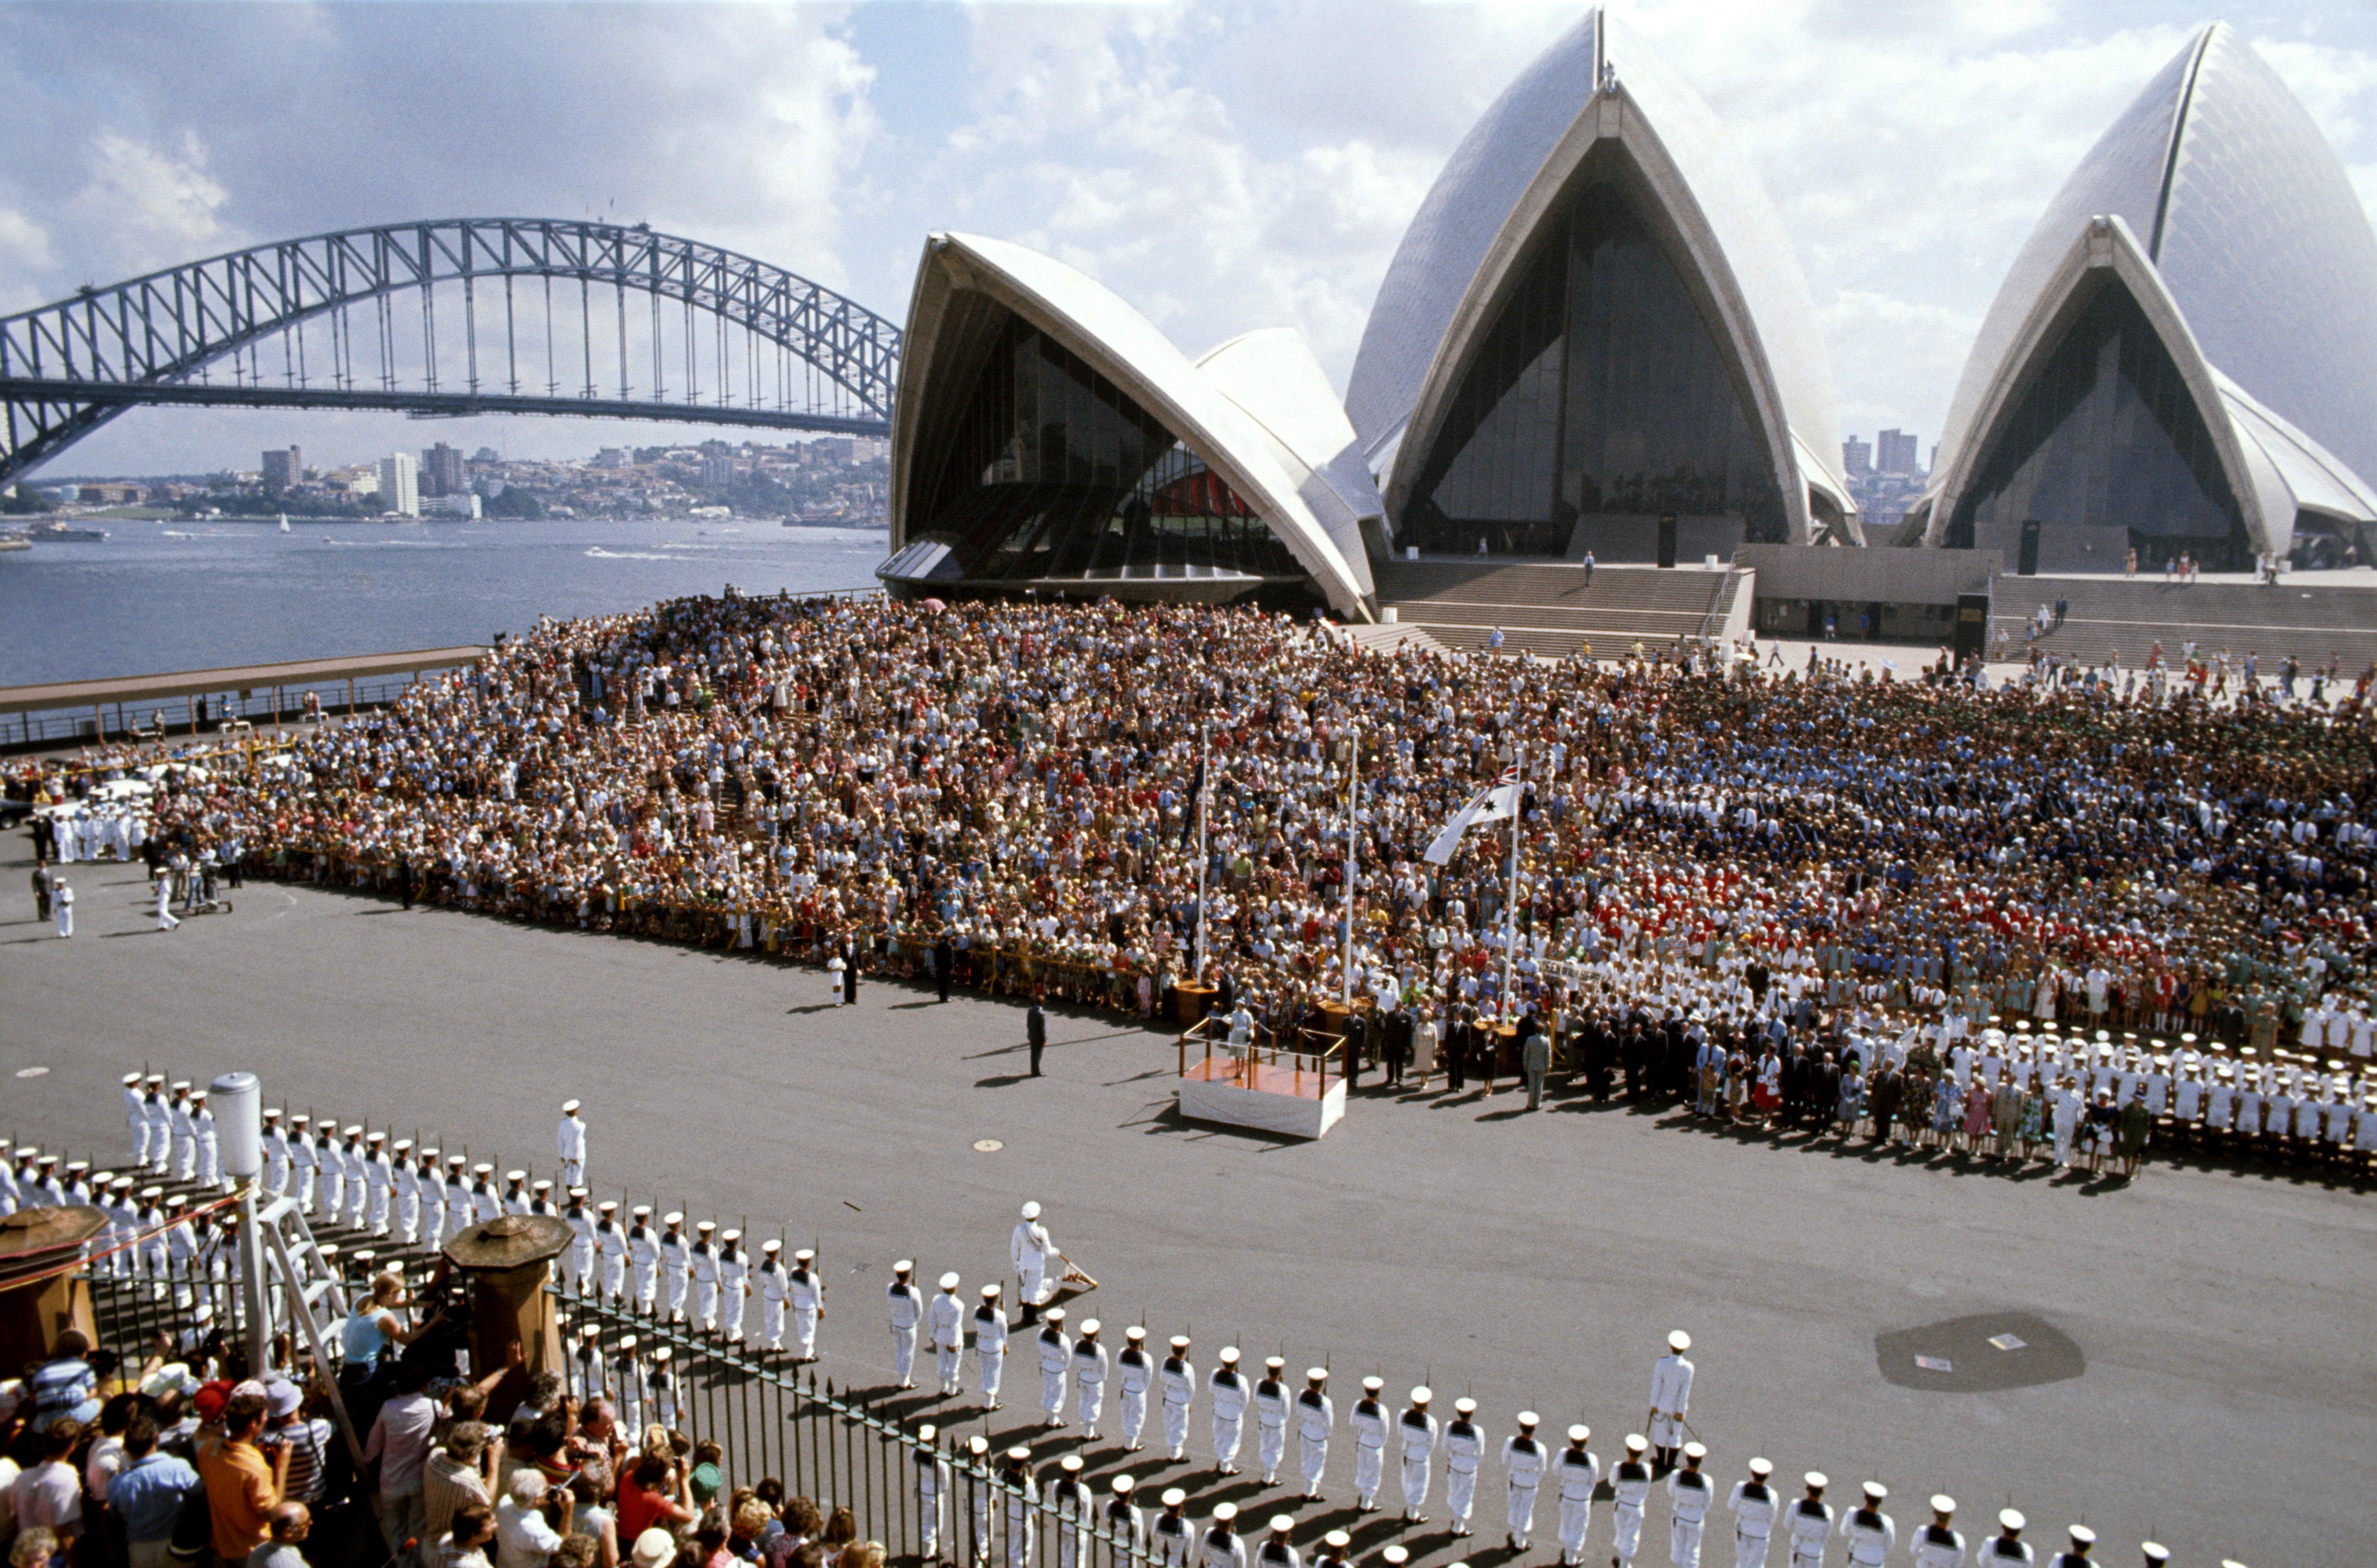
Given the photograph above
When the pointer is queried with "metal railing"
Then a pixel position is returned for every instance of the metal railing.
(135, 721)
(1312, 1054)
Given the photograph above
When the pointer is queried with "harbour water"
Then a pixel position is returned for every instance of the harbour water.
(181, 595)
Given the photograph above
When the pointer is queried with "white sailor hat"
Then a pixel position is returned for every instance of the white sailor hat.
(1031, 1211)
(1636, 1442)
(1174, 1497)
(1315, 1374)
(540, 1185)
(1579, 1432)
(1275, 1363)
(1395, 1554)
(569, 1108)
(805, 1255)
(927, 1433)
(459, 1161)
(1422, 1395)
(511, 1175)
(1224, 1512)
(160, 1078)
(1336, 1540)
(1464, 1407)
(429, 1152)
(1695, 1451)
(589, 1331)
(950, 1280)
(672, 1218)
(1679, 1341)
(730, 1236)
(1229, 1353)
(121, 1184)
(1761, 1468)
(1070, 1464)
(771, 1248)
(706, 1227)
(1054, 1316)
(1373, 1385)
(402, 1145)
(577, 1194)
(626, 1344)
(1020, 1454)
(75, 1167)
(1122, 1485)
(2154, 1551)
(1943, 1503)
(1875, 1492)
(990, 1291)
(2083, 1535)
(662, 1353)
(482, 1169)
(605, 1206)
(977, 1446)
(1817, 1480)
(905, 1265)
(181, 1084)
(1089, 1327)
(150, 1194)
(130, 1079)
(1281, 1524)
(201, 1093)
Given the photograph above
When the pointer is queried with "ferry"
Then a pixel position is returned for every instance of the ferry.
(62, 531)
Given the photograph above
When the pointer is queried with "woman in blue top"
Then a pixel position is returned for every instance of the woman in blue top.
(364, 1337)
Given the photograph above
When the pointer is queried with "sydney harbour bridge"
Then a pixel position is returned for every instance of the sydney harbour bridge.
(454, 317)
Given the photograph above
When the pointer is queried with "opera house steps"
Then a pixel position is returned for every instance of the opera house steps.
(2299, 614)
(1546, 607)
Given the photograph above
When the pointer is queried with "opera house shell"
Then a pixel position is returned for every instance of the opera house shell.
(2183, 359)
(1050, 438)
(1594, 323)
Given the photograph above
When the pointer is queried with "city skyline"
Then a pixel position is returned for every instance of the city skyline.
(1908, 152)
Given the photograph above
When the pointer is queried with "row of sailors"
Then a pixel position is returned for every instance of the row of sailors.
(706, 1279)
(965, 1494)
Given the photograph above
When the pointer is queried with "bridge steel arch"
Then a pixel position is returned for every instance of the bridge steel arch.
(68, 367)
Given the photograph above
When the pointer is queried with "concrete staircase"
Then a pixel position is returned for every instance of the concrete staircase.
(2300, 615)
(1546, 607)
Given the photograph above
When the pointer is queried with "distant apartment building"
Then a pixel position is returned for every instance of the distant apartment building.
(611, 457)
(108, 494)
(1856, 455)
(1896, 451)
(282, 468)
(399, 486)
(454, 503)
(717, 472)
(441, 470)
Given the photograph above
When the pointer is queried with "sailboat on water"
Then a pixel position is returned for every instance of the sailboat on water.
(284, 522)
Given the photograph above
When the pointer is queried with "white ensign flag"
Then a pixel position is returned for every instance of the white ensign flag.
(1491, 804)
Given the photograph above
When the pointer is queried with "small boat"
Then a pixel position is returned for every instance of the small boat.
(62, 531)
(284, 522)
(14, 542)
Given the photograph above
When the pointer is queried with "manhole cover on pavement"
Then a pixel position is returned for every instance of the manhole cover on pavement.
(32, 1072)
(1982, 1354)
(981, 1145)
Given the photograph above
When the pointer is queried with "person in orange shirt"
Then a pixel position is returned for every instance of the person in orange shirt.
(243, 1486)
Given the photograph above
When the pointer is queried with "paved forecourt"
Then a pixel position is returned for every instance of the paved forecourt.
(2192, 1346)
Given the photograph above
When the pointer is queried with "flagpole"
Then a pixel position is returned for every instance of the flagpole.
(1197, 977)
(1510, 905)
(1353, 797)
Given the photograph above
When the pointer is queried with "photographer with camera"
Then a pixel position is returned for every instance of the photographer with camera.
(524, 1537)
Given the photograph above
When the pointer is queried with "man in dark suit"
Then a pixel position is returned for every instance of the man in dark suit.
(1824, 1089)
(1035, 1032)
(1357, 1040)
(945, 963)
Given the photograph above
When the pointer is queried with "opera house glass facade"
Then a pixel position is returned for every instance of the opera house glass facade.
(1598, 393)
(1050, 472)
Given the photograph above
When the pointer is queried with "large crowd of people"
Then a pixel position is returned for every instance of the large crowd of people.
(1710, 849)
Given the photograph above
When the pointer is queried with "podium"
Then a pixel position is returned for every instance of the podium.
(1190, 999)
(32, 1315)
(506, 1261)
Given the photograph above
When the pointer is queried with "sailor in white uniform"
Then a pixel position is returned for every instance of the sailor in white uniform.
(1689, 1496)
(304, 1163)
(2007, 1546)
(2076, 1554)
(1630, 1478)
(1418, 1431)
(379, 1179)
(1069, 1499)
(1868, 1531)
(588, 1378)
(1169, 1536)
(808, 1304)
(578, 1263)
(945, 1326)
(1221, 1546)
(160, 1115)
(1464, 1450)
(701, 1261)
(569, 1143)
(1316, 1420)
(774, 1291)
(1671, 1397)
(1278, 1550)
(932, 1489)
(675, 1265)
(404, 1182)
(1055, 1352)
(1809, 1522)
(1124, 1523)
(515, 1196)
(611, 1247)
(733, 1284)
(1023, 1491)
(1368, 1422)
(1938, 1544)
(644, 1258)
(1578, 1472)
(1229, 1391)
(1134, 1372)
(975, 1478)
(425, 1174)
(209, 1137)
(1524, 1458)
(135, 1117)
(1755, 1507)
(989, 1344)
(1028, 1247)
(905, 1305)
(1178, 1378)
(1271, 1401)
(1090, 1369)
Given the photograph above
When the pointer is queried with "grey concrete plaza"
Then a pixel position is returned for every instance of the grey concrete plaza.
(2197, 1366)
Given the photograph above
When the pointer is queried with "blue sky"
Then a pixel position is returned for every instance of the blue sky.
(1224, 164)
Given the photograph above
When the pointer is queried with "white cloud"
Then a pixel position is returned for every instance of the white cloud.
(144, 208)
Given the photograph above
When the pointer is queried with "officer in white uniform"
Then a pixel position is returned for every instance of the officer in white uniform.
(569, 1143)
(905, 1305)
(1124, 1522)
(1027, 1248)
(1522, 1472)
(1368, 1422)
(1630, 1480)
(1178, 1378)
(1278, 1550)
(611, 1247)
(945, 1325)
(1134, 1372)
(1056, 1353)
(1229, 1391)
(1755, 1507)
(1168, 1537)
(1938, 1545)
(2007, 1546)
(1868, 1531)
(1809, 1520)
(1270, 1402)
(1579, 1471)
(1464, 1450)
(1418, 1430)
(1689, 1496)
(989, 1344)
(734, 1284)
(774, 1289)
(1221, 1546)
(808, 1304)
(1671, 1397)
(1091, 1368)
(676, 1265)
(701, 1259)
(932, 1489)
(1316, 1419)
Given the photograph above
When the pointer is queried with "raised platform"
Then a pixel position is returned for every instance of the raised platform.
(1289, 1102)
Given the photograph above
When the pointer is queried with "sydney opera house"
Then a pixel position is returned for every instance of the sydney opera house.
(1595, 337)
